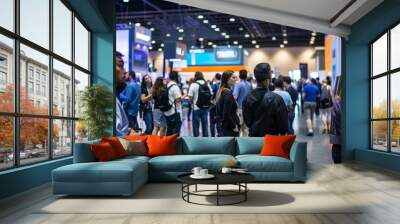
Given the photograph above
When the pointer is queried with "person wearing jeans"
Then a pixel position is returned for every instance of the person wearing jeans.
(173, 116)
(146, 104)
(310, 94)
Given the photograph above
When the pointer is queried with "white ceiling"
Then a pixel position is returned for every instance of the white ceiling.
(313, 15)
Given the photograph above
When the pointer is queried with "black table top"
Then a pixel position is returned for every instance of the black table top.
(220, 178)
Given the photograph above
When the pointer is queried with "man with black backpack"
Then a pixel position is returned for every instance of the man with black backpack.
(264, 111)
(170, 105)
(200, 97)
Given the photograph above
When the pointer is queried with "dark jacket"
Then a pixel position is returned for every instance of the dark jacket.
(335, 131)
(226, 111)
(265, 112)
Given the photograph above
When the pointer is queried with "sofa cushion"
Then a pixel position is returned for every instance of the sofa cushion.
(103, 152)
(161, 145)
(208, 145)
(134, 147)
(257, 163)
(185, 163)
(116, 145)
(275, 145)
(249, 145)
(83, 152)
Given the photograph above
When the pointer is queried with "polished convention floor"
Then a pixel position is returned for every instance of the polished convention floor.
(378, 190)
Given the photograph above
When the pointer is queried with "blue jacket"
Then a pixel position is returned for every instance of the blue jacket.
(130, 98)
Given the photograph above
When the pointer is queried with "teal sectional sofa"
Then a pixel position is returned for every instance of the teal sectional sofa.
(125, 176)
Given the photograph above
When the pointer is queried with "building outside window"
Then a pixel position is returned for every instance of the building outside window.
(385, 95)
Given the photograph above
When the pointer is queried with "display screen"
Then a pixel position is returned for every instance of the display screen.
(139, 59)
(226, 54)
(217, 56)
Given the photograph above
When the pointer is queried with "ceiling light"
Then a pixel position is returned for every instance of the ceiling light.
(311, 42)
(312, 38)
(240, 46)
(153, 41)
(213, 26)
(201, 46)
(247, 35)
(285, 41)
(137, 24)
(201, 38)
(214, 46)
(200, 16)
(150, 48)
(284, 34)
(152, 29)
(281, 46)
(226, 36)
(217, 29)
(126, 1)
(253, 41)
(205, 21)
(232, 19)
(180, 38)
(223, 34)
(162, 44)
(235, 42)
(257, 46)
(130, 23)
(240, 28)
(180, 30)
(313, 34)
(168, 35)
(159, 49)
(192, 47)
(273, 38)
(210, 43)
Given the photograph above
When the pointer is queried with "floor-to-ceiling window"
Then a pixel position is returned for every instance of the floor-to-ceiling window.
(385, 92)
(44, 64)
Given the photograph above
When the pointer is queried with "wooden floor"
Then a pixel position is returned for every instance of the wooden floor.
(378, 190)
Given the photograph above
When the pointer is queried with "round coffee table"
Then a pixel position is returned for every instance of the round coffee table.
(238, 179)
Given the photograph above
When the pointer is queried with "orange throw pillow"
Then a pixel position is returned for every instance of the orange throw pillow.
(161, 145)
(136, 137)
(103, 152)
(275, 145)
(116, 145)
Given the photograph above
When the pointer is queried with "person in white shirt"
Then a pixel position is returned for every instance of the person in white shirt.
(200, 107)
(173, 115)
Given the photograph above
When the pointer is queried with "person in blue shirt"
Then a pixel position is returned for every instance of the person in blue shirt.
(240, 91)
(131, 100)
(310, 94)
(122, 123)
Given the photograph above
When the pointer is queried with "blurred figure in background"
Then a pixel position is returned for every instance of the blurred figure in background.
(335, 131)
(279, 89)
(287, 82)
(242, 88)
(310, 94)
(122, 123)
(146, 105)
(131, 100)
(213, 122)
(326, 105)
(160, 123)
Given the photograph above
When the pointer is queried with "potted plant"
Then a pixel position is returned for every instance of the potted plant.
(96, 103)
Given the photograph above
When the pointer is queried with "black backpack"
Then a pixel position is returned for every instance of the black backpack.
(162, 100)
(204, 98)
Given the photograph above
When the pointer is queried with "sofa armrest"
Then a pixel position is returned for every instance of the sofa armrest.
(298, 155)
(83, 152)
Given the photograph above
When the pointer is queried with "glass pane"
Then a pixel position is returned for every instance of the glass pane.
(62, 89)
(62, 138)
(81, 45)
(34, 97)
(33, 139)
(6, 74)
(395, 47)
(379, 135)
(81, 81)
(7, 14)
(35, 21)
(395, 132)
(62, 29)
(6, 142)
(395, 95)
(379, 55)
(81, 131)
(379, 98)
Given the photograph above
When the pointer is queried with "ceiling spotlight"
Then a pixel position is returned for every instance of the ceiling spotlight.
(226, 36)
(210, 43)
(137, 24)
(180, 30)
(201, 38)
(130, 23)
(168, 35)
(235, 42)
(162, 44)
(213, 26)
(232, 19)
(311, 42)
(150, 48)
(126, 1)
(205, 21)
(201, 46)
(247, 35)
(200, 16)
(285, 41)
(159, 49)
(216, 29)
(240, 46)
(284, 34)
(192, 47)
(313, 34)
(214, 46)
(312, 38)
(253, 41)
(153, 41)
(257, 46)
(180, 38)
(281, 46)
(240, 28)
(152, 29)
(273, 38)
(223, 34)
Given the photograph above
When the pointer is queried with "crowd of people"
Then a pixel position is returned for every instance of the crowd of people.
(229, 105)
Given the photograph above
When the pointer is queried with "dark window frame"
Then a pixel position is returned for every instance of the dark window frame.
(16, 114)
